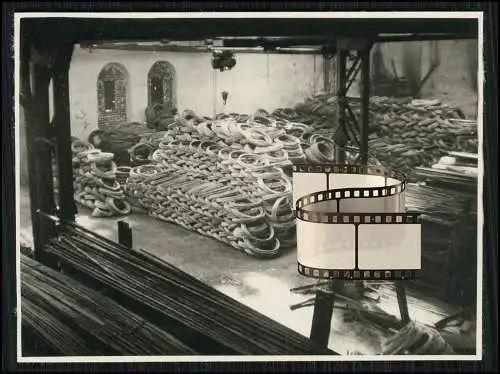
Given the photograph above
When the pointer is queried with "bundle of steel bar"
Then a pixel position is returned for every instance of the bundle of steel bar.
(161, 288)
(75, 320)
(452, 178)
(437, 204)
(448, 240)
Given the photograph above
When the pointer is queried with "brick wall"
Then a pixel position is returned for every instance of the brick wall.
(118, 75)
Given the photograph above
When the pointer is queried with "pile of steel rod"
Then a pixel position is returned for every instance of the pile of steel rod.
(448, 237)
(440, 205)
(162, 288)
(458, 180)
(76, 320)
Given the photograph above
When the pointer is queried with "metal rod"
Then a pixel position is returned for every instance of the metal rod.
(353, 78)
(351, 75)
(309, 286)
(354, 125)
(62, 120)
(341, 84)
(305, 303)
(365, 103)
(322, 317)
(402, 302)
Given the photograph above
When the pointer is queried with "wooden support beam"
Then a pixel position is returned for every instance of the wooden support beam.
(322, 317)
(62, 132)
(124, 234)
(403, 302)
(35, 79)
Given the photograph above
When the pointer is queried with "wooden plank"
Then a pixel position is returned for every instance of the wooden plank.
(403, 302)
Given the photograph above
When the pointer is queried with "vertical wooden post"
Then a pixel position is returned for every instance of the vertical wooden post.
(403, 302)
(62, 130)
(36, 69)
(124, 234)
(322, 317)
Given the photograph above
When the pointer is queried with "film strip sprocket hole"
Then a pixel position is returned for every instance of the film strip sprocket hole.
(359, 274)
(351, 223)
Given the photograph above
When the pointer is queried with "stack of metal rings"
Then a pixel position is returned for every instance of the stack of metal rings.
(95, 181)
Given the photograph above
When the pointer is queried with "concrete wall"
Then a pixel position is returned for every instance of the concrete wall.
(452, 81)
(257, 81)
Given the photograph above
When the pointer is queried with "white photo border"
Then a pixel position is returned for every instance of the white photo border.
(267, 15)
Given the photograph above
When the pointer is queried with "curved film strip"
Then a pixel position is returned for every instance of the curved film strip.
(352, 224)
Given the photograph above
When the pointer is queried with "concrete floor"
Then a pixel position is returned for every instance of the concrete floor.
(260, 284)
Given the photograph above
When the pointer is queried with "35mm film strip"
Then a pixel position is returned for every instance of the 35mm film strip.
(352, 224)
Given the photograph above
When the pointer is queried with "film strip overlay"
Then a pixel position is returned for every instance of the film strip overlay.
(378, 240)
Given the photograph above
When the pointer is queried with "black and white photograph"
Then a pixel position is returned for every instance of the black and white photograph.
(249, 186)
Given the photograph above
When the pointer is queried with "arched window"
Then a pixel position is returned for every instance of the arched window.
(161, 84)
(112, 91)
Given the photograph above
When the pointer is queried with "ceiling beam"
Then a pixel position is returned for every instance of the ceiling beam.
(49, 30)
(421, 37)
(183, 49)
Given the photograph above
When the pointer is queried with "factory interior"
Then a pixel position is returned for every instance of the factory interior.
(157, 209)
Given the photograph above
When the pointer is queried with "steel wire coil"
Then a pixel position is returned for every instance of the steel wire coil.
(404, 133)
(223, 160)
(415, 339)
(96, 181)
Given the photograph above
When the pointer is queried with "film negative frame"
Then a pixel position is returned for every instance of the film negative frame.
(399, 218)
